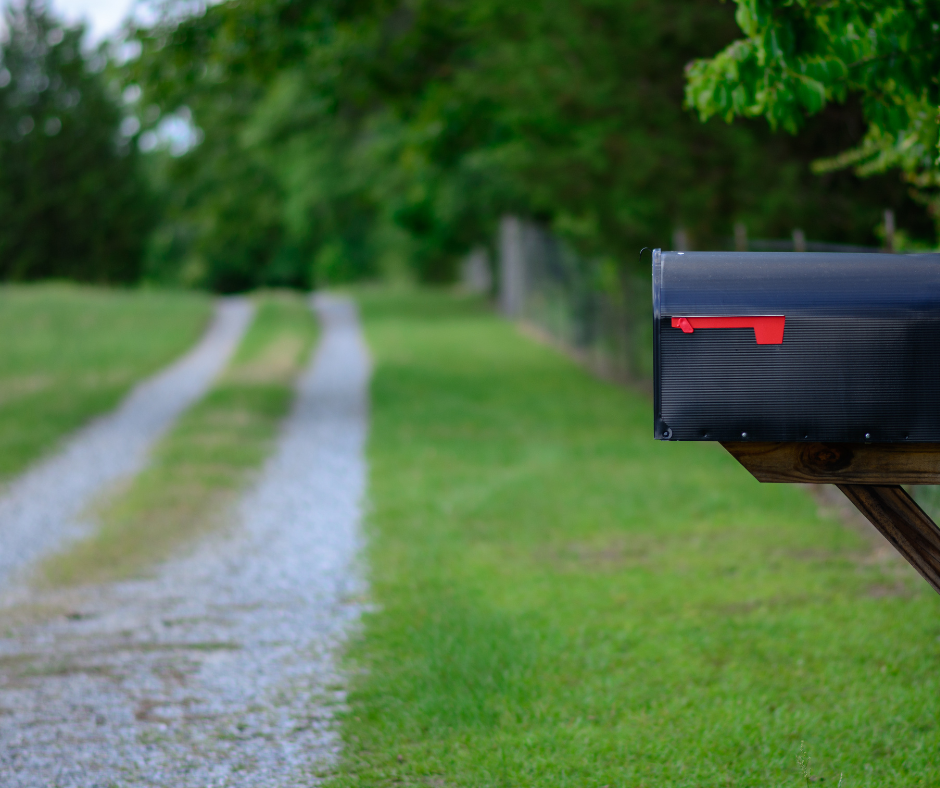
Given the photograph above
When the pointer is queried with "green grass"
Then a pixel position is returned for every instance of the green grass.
(69, 353)
(562, 601)
(208, 456)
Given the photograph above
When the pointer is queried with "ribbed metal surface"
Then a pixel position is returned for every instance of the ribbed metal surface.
(860, 358)
(832, 379)
(808, 285)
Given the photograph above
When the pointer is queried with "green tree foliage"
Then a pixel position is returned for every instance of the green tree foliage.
(276, 190)
(334, 130)
(591, 93)
(73, 202)
(798, 56)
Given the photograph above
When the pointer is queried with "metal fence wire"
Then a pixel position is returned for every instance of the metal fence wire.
(594, 308)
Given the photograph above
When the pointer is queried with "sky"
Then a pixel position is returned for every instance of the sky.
(103, 16)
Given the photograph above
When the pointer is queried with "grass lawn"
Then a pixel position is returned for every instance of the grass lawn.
(69, 353)
(206, 458)
(559, 600)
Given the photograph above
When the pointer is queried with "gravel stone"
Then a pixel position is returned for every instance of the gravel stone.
(45, 507)
(220, 670)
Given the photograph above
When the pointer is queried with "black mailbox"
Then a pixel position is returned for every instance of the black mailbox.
(796, 347)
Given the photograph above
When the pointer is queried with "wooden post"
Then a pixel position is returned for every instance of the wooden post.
(889, 230)
(870, 475)
(475, 273)
(799, 241)
(680, 240)
(903, 523)
(512, 274)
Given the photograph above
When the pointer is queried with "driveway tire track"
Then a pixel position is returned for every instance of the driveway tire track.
(43, 509)
(221, 670)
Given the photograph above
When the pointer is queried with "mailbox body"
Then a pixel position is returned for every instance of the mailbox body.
(858, 359)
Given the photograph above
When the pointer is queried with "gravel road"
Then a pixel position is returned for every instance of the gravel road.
(219, 671)
(45, 507)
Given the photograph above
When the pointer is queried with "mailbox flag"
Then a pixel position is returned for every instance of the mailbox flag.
(768, 329)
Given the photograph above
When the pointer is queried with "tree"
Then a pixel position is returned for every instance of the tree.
(334, 127)
(798, 56)
(278, 192)
(72, 200)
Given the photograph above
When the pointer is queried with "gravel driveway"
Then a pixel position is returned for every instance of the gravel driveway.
(220, 670)
(44, 507)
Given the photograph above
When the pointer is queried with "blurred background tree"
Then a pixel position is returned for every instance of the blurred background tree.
(74, 202)
(798, 58)
(302, 142)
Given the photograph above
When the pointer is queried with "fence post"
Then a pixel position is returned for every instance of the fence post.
(680, 240)
(889, 230)
(799, 241)
(740, 236)
(511, 266)
(475, 274)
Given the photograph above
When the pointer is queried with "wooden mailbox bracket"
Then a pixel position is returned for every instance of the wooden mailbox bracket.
(870, 475)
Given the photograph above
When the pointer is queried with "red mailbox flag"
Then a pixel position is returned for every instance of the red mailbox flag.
(768, 329)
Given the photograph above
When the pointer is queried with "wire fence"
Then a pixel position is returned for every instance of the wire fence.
(595, 309)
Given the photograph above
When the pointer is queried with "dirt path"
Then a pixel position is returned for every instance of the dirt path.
(220, 670)
(44, 508)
